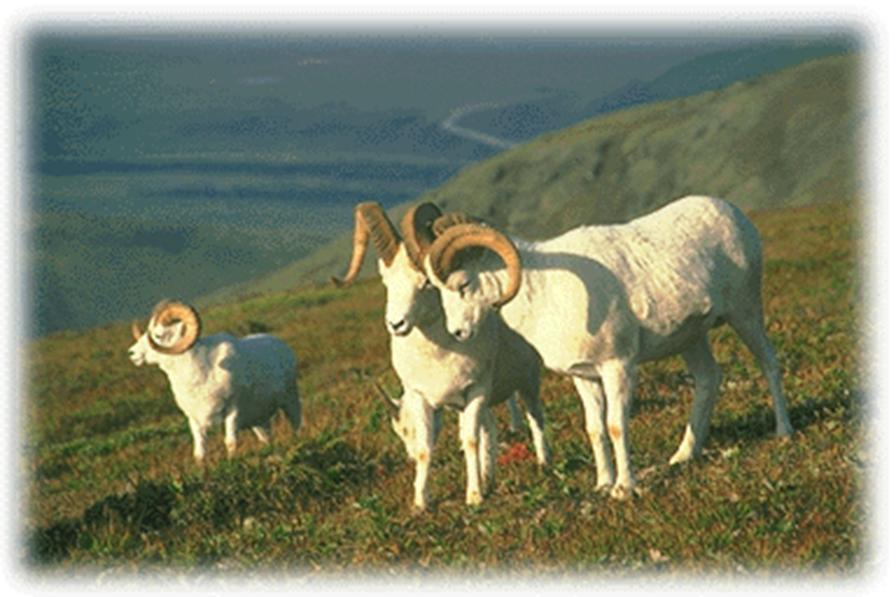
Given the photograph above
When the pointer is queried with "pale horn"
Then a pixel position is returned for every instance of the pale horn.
(371, 223)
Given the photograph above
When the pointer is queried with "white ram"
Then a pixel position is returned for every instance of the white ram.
(598, 300)
(242, 381)
(435, 369)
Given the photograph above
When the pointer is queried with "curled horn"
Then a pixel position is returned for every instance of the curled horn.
(392, 405)
(449, 244)
(417, 231)
(135, 330)
(371, 223)
(166, 313)
(453, 218)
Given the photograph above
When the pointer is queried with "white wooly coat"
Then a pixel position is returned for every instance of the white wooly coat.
(242, 381)
(598, 300)
(436, 370)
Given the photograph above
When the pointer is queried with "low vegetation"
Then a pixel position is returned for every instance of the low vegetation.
(112, 485)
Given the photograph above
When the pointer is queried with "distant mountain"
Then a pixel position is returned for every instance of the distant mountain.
(166, 166)
(709, 72)
(790, 138)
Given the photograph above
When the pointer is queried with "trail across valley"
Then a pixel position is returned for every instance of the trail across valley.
(451, 125)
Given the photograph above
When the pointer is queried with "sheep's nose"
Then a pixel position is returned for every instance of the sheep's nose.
(459, 334)
(398, 326)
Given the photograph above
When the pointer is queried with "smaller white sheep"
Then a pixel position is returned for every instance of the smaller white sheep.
(242, 381)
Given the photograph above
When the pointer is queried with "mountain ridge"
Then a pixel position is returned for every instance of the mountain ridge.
(787, 138)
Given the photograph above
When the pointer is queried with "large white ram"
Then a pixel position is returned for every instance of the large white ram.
(434, 368)
(242, 381)
(598, 300)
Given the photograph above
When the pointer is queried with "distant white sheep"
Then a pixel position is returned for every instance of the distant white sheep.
(598, 300)
(435, 369)
(242, 381)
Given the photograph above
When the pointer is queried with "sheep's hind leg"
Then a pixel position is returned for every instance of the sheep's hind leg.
(292, 407)
(751, 330)
(535, 416)
(488, 436)
(516, 420)
(594, 405)
(263, 433)
(707, 377)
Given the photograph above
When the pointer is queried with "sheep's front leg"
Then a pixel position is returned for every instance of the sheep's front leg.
(618, 377)
(594, 405)
(425, 437)
(421, 478)
(469, 440)
(230, 432)
(199, 432)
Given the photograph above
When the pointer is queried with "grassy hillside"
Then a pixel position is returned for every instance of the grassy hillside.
(790, 138)
(111, 485)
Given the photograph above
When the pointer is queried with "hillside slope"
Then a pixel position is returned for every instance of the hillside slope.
(705, 72)
(112, 487)
(790, 138)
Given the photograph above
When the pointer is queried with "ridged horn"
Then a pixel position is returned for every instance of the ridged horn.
(453, 218)
(449, 244)
(371, 223)
(417, 231)
(168, 312)
(392, 405)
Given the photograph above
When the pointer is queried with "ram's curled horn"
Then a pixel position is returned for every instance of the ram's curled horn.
(168, 312)
(448, 245)
(392, 405)
(371, 223)
(417, 231)
(453, 218)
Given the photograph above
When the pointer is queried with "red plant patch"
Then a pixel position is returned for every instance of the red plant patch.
(517, 452)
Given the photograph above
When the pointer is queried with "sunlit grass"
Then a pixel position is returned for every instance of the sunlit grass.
(112, 482)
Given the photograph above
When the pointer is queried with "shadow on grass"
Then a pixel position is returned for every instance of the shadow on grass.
(315, 473)
(759, 422)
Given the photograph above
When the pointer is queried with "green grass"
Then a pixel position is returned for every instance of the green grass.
(112, 484)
